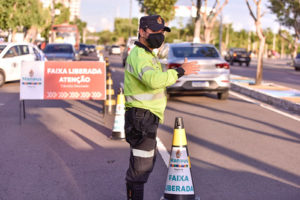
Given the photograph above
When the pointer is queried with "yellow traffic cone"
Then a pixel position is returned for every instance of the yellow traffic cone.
(109, 94)
(119, 123)
(179, 184)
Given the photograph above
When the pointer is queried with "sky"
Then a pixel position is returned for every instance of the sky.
(100, 14)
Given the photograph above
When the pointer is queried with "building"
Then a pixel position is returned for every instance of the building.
(73, 5)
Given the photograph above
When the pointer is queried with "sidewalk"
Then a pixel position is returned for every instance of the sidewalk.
(268, 92)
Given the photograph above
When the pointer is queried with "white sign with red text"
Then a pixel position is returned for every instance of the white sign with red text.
(82, 80)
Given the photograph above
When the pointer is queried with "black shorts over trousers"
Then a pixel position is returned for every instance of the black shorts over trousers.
(140, 130)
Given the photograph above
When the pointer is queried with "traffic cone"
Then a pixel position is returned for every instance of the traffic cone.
(107, 63)
(109, 102)
(119, 123)
(179, 184)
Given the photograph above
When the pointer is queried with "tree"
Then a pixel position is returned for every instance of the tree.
(197, 22)
(21, 15)
(288, 15)
(164, 8)
(81, 25)
(105, 37)
(285, 36)
(64, 16)
(259, 32)
(123, 27)
(209, 19)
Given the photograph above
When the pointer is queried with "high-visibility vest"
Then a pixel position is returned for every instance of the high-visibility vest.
(145, 82)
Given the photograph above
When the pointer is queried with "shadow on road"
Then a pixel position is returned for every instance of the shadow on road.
(267, 168)
(284, 130)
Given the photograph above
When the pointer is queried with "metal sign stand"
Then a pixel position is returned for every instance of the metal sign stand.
(22, 111)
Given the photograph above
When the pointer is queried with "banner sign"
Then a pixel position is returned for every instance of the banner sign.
(82, 80)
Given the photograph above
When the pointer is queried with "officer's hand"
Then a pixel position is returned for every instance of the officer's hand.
(190, 67)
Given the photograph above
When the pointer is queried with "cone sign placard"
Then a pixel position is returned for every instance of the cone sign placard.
(118, 131)
(179, 180)
(119, 118)
(179, 183)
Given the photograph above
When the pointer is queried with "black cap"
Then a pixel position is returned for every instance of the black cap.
(153, 22)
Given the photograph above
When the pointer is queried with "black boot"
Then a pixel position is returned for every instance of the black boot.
(135, 191)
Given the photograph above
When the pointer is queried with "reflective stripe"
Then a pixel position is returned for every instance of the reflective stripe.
(145, 69)
(145, 97)
(155, 60)
(129, 68)
(142, 153)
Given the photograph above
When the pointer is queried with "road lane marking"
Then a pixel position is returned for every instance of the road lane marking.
(163, 151)
(2, 104)
(264, 106)
(165, 154)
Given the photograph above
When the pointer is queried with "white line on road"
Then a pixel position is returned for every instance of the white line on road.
(2, 104)
(165, 154)
(264, 106)
(163, 151)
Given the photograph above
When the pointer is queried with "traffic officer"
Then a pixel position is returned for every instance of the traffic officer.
(144, 89)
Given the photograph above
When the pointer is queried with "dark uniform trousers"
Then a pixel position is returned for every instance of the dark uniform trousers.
(140, 130)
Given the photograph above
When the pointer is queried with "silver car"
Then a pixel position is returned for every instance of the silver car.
(297, 62)
(214, 73)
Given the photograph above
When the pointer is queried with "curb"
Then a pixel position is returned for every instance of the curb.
(275, 101)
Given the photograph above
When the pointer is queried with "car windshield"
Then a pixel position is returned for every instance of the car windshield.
(58, 49)
(2, 47)
(195, 52)
(82, 46)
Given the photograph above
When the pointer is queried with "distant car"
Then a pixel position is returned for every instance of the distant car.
(107, 48)
(11, 57)
(297, 62)
(238, 55)
(83, 49)
(60, 51)
(213, 75)
(128, 48)
(92, 48)
(115, 50)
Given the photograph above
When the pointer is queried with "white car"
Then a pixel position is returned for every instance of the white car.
(115, 50)
(11, 57)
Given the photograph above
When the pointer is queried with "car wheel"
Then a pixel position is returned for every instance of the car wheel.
(231, 63)
(240, 63)
(223, 95)
(2, 78)
(297, 69)
(247, 64)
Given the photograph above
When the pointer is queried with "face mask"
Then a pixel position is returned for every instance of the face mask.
(155, 40)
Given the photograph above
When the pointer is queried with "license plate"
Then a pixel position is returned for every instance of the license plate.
(200, 84)
(242, 59)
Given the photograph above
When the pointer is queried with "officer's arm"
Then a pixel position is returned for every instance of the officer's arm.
(156, 79)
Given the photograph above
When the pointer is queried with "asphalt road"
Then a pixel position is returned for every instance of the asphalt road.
(63, 150)
(274, 70)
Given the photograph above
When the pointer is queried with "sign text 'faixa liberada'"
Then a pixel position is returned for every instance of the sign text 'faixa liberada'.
(63, 80)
